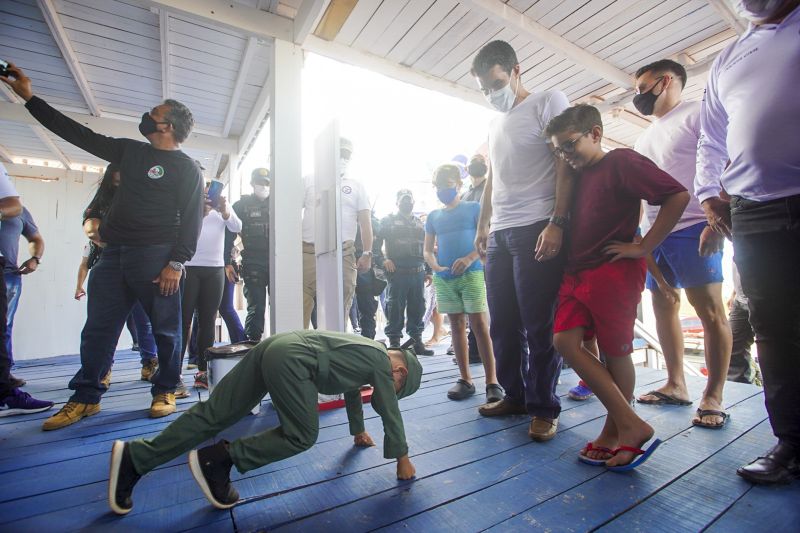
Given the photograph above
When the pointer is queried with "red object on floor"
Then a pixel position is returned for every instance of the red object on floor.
(366, 397)
(704, 371)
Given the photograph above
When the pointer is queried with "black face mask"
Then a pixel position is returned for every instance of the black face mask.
(477, 169)
(645, 103)
(406, 206)
(149, 125)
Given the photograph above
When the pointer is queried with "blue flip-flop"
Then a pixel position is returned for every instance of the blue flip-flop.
(644, 455)
(582, 457)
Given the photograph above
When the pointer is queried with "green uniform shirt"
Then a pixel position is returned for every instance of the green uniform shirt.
(353, 361)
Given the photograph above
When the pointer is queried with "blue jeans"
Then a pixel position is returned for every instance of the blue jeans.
(123, 275)
(522, 293)
(144, 333)
(405, 298)
(13, 292)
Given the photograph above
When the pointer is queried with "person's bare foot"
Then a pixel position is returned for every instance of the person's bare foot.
(679, 393)
(607, 439)
(635, 437)
(710, 404)
(436, 339)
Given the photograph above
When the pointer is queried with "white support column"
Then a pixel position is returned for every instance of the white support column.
(286, 200)
(166, 66)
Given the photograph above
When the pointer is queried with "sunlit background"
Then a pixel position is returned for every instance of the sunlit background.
(401, 132)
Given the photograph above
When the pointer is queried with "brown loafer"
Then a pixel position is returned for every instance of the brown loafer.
(502, 408)
(542, 429)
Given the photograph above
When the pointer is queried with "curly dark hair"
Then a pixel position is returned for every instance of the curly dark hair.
(495, 53)
(181, 119)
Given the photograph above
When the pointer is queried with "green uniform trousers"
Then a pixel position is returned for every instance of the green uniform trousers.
(278, 366)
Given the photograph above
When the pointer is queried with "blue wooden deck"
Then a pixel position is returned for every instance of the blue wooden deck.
(473, 473)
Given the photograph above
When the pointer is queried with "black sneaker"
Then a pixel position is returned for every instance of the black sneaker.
(451, 350)
(394, 343)
(211, 468)
(122, 477)
(461, 390)
(420, 349)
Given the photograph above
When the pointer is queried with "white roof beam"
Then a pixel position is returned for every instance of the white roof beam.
(258, 116)
(245, 19)
(729, 15)
(509, 17)
(351, 56)
(166, 66)
(115, 127)
(5, 155)
(48, 142)
(308, 16)
(62, 40)
(241, 78)
(631, 118)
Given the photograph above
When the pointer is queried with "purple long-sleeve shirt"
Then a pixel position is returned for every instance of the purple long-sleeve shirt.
(751, 116)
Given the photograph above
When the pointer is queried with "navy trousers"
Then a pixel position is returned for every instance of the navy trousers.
(522, 296)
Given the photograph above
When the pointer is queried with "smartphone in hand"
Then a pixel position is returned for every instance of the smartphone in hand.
(214, 192)
(4, 68)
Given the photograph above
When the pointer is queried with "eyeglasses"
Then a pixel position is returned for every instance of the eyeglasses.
(569, 146)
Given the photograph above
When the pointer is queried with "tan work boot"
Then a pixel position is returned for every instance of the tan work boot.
(107, 379)
(69, 414)
(163, 405)
(149, 369)
(542, 429)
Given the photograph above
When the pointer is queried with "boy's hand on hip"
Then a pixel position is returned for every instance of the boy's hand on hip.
(624, 250)
(405, 470)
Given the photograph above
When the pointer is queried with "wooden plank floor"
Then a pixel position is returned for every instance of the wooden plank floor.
(473, 473)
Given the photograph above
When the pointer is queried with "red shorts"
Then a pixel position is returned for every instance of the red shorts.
(603, 300)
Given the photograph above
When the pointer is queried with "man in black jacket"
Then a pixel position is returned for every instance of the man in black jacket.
(150, 230)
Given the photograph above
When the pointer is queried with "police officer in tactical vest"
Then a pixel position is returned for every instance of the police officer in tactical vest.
(253, 209)
(403, 235)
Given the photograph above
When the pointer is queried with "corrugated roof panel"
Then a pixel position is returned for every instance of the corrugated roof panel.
(20, 140)
(449, 41)
(359, 17)
(382, 19)
(27, 42)
(407, 50)
(403, 22)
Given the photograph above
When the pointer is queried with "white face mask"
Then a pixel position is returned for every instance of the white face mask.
(343, 164)
(757, 10)
(260, 191)
(503, 99)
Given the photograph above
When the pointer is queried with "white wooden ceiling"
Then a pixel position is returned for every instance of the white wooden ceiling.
(118, 58)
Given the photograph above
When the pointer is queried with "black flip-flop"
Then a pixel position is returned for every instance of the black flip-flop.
(663, 399)
(710, 412)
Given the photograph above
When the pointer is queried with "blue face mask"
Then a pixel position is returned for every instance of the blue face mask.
(447, 195)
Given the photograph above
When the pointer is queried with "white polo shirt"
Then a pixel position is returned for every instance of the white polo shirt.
(671, 143)
(523, 166)
(354, 199)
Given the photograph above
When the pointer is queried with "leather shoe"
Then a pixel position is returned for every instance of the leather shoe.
(780, 466)
(502, 408)
(542, 429)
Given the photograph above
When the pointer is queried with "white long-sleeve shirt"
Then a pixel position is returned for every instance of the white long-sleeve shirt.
(212, 239)
(751, 116)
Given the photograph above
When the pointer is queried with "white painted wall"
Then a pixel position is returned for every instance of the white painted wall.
(49, 319)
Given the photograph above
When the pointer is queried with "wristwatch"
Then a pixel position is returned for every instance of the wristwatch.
(368, 253)
(560, 221)
(177, 266)
(38, 261)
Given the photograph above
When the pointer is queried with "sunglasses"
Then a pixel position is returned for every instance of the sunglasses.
(569, 146)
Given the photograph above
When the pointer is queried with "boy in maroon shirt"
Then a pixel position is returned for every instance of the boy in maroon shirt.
(605, 273)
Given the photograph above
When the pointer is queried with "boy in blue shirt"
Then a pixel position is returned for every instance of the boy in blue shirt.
(458, 279)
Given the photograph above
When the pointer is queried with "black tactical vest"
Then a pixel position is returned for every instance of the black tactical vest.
(255, 226)
(404, 238)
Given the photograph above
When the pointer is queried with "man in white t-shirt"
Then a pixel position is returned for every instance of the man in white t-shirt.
(13, 401)
(355, 215)
(523, 214)
(690, 258)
